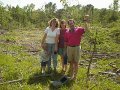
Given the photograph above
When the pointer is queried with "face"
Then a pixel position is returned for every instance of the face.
(63, 25)
(53, 23)
(71, 24)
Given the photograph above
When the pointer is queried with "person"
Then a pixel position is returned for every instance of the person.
(72, 39)
(44, 55)
(51, 35)
(62, 47)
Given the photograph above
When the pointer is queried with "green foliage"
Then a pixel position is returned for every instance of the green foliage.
(16, 17)
(9, 70)
(115, 35)
(15, 63)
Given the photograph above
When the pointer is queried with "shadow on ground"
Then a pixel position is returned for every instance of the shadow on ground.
(67, 85)
(37, 78)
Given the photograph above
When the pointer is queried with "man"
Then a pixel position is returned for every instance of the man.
(72, 40)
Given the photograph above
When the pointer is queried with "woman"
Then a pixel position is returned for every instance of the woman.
(51, 39)
(61, 46)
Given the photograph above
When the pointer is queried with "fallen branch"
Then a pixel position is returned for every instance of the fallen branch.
(13, 81)
(108, 73)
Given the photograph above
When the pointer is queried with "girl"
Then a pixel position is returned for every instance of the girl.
(61, 46)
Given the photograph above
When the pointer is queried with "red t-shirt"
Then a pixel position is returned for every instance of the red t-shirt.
(61, 38)
(74, 38)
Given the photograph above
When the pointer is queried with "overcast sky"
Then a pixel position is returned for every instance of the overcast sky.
(39, 3)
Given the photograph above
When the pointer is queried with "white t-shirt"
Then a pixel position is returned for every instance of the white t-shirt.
(51, 35)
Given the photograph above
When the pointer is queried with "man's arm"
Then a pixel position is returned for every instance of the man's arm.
(86, 22)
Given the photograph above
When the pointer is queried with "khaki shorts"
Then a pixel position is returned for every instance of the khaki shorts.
(73, 53)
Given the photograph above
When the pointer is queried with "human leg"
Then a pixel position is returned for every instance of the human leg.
(43, 64)
(54, 56)
(71, 69)
(65, 62)
(60, 52)
(49, 49)
(70, 59)
(76, 61)
(75, 69)
(62, 63)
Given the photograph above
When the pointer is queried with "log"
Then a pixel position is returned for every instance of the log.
(13, 81)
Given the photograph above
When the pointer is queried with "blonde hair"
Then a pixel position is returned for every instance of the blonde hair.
(53, 19)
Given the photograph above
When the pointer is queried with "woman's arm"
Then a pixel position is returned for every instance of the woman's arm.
(43, 40)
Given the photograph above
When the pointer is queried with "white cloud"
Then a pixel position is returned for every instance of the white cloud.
(40, 3)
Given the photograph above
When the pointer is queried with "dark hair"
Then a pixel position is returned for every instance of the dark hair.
(62, 22)
(54, 19)
(71, 20)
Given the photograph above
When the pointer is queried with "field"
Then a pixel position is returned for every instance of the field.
(20, 67)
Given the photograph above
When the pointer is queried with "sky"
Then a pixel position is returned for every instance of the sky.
(40, 3)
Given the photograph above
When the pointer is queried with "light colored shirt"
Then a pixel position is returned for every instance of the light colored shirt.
(51, 35)
(74, 38)
(44, 56)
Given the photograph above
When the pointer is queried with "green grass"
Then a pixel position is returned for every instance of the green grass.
(15, 63)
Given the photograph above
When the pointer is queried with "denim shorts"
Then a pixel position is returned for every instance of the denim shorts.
(61, 51)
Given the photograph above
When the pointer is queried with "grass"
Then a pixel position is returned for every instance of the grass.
(15, 63)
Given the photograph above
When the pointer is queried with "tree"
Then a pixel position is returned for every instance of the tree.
(88, 10)
(5, 17)
(102, 15)
(115, 5)
(50, 10)
(29, 11)
(115, 8)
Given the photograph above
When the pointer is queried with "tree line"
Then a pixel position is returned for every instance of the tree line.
(27, 17)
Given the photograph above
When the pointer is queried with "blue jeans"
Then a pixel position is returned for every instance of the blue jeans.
(51, 48)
